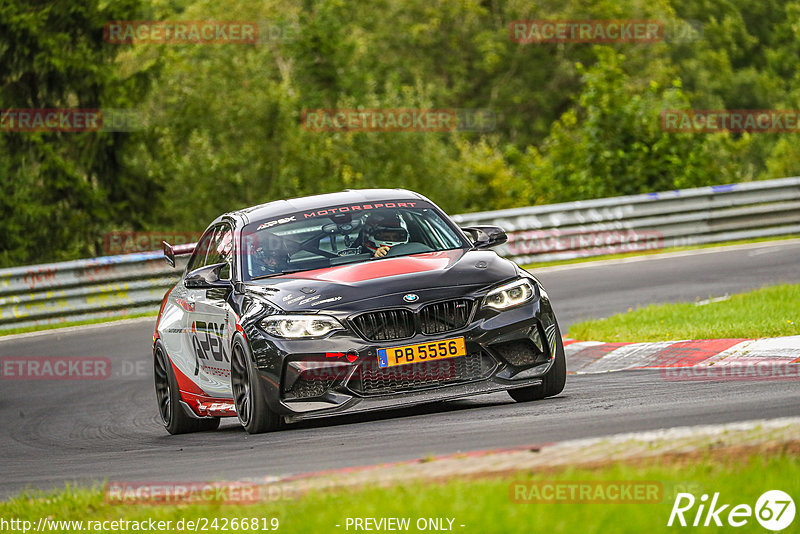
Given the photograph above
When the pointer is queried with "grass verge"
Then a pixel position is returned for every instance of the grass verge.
(767, 312)
(480, 505)
(540, 265)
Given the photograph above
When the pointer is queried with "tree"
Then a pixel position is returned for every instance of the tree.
(612, 142)
(61, 188)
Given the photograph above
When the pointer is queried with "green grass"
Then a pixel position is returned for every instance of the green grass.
(37, 328)
(540, 265)
(482, 506)
(767, 312)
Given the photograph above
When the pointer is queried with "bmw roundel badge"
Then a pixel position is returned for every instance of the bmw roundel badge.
(410, 297)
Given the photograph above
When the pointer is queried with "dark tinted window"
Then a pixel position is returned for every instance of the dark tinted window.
(216, 246)
(200, 250)
(221, 250)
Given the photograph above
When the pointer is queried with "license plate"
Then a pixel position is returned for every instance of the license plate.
(421, 352)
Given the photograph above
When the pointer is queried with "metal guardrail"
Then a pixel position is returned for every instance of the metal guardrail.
(645, 222)
(135, 283)
(110, 286)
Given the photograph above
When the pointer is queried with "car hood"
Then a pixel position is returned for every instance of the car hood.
(378, 283)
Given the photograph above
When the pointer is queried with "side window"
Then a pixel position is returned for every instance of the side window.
(439, 231)
(221, 250)
(199, 255)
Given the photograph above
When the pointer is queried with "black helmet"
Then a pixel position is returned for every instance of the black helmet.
(269, 252)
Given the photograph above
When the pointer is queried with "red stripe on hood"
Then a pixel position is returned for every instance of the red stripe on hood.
(369, 270)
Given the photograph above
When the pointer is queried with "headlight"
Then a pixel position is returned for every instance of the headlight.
(300, 326)
(512, 294)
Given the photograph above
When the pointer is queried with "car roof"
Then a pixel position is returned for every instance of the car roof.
(278, 208)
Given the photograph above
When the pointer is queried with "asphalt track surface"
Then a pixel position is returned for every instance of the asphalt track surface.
(54, 432)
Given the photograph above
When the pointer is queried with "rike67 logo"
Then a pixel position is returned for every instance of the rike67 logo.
(774, 510)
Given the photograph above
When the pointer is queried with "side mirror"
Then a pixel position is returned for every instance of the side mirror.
(207, 278)
(486, 236)
(170, 251)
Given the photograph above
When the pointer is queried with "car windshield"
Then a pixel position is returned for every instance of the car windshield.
(341, 235)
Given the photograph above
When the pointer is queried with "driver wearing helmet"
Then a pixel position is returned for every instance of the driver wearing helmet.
(382, 231)
(269, 255)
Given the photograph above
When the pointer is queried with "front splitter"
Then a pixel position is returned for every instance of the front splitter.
(312, 409)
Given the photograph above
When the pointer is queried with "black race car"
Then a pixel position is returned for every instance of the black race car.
(343, 303)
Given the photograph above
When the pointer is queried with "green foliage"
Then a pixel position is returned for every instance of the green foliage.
(612, 142)
(222, 122)
(481, 504)
(59, 188)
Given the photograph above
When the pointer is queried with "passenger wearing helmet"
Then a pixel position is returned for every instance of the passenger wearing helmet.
(269, 255)
(275, 261)
(383, 231)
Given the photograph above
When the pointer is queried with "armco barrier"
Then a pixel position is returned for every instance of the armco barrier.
(134, 283)
(649, 221)
(110, 286)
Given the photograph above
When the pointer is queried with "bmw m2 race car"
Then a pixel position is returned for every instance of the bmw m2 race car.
(343, 303)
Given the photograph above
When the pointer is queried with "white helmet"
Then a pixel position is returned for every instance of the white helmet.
(384, 230)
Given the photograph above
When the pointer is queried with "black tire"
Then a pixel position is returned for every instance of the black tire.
(173, 416)
(248, 395)
(552, 383)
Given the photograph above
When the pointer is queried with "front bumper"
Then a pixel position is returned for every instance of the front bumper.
(315, 409)
(304, 379)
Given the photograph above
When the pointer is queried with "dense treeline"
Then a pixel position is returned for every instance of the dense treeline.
(220, 125)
